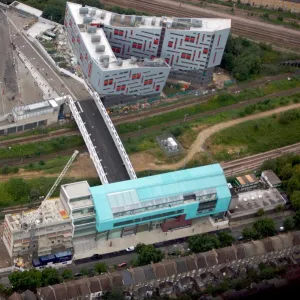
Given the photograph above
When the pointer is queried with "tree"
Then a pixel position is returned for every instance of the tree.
(248, 233)
(52, 13)
(296, 218)
(30, 279)
(289, 223)
(148, 254)
(203, 242)
(101, 268)
(226, 239)
(114, 294)
(18, 188)
(260, 212)
(67, 274)
(50, 276)
(264, 227)
(295, 200)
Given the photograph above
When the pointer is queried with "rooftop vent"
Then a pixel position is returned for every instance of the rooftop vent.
(119, 62)
(143, 21)
(133, 60)
(153, 21)
(87, 19)
(83, 10)
(132, 20)
(93, 12)
(102, 16)
(91, 29)
(122, 19)
(95, 38)
(100, 48)
(103, 58)
(105, 63)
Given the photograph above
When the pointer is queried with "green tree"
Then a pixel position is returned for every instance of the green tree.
(289, 223)
(203, 242)
(100, 268)
(148, 254)
(50, 276)
(264, 227)
(114, 294)
(267, 273)
(296, 218)
(260, 212)
(18, 188)
(248, 233)
(52, 13)
(30, 279)
(67, 274)
(295, 200)
(226, 239)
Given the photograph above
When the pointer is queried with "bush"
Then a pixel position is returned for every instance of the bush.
(100, 268)
(203, 242)
(148, 254)
(260, 212)
(289, 224)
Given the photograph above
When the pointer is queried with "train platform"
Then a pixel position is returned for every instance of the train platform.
(106, 149)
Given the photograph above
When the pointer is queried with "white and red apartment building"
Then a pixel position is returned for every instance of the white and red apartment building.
(134, 55)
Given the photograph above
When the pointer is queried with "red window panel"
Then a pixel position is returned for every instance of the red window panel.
(205, 51)
(123, 87)
(219, 41)
(156, 41)
(134, 45)
(134, 76)
(167, 60)
(105, 82)
(183, 55)
(118, 50)
(113, 49)
(152, 57)
(116, 31)
(170, 44)
(138, 75)
(110, 81)
(188, 56)
(157, 88)
(187, 38)
(145, 82)
(121, 32)
(139, 46)
(150, 81)
(192, 40)
(119, 88)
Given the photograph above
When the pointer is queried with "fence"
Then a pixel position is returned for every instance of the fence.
(87, 140)
(114, 135)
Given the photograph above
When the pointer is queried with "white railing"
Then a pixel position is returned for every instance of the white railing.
(87, 140)
(115, 136)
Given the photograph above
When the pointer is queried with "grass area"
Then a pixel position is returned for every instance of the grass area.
(18, 191)
(256, 136)
(39, 131)
(43, 147)
(51, 166)
(187, 133)
(221, 100)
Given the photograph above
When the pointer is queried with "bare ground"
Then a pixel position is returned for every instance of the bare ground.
(144, 161)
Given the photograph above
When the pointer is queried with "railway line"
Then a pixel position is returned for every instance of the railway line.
(252, 162)
(282, 37)
(197, 100)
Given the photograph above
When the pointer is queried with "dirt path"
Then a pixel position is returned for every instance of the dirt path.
(197, 146)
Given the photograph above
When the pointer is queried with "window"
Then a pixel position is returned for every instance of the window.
(149, 81)
(137, 46)
(108, 82)
(170, 44)
(186, 55)
(183, 55)
(187, 38)
(121, 32)
(206, 207)
(192, 40)
(157, 88)
(156, 41)
(105, 82)
(136, 76)
(205, 51)
(121, 87)
(167, 60)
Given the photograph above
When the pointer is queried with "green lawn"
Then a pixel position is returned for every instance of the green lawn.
(221, 100)
(258, 135)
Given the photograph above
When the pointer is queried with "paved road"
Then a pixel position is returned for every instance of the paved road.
(105, 146)
(8, 77)
(63, 85)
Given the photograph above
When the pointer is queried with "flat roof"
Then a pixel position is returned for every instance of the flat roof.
(167, 185)
(247, 179)
(272, 177)
(28, 9)
(77, 189)
(113, 19)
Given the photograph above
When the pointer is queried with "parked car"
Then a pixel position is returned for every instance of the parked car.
(129, 249)
(96, 256)
(123, 264)
(78, 275)
(171, 253)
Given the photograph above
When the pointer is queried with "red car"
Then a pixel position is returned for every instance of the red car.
(123, 264)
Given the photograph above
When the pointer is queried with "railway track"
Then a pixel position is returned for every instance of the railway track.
(38, 137)
(211, 113)
(248, 28)
(252, 162)
(197, 100)
(24, 160)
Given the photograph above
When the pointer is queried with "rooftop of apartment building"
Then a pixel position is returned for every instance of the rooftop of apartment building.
(110, 18)
(50, 211)
(158, 190)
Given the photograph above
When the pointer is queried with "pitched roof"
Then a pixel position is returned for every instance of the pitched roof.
(105, 282)
(201, 261)
(28, 295)
(15, 296)
(72, 290)
(83, 287)
(94, 284)
(159, 270)
(148, 272)
(191, 263)
(117, 279)
(47, 293)
(170, 267)
(60, 291)
(180, 265)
